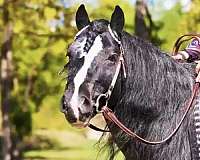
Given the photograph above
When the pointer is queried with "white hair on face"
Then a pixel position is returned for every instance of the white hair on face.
(81, 75)
(81, 31)
(82, 45)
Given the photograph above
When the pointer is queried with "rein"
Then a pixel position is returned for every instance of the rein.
(109, 114)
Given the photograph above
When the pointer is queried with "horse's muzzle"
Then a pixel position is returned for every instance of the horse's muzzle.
(83, 113)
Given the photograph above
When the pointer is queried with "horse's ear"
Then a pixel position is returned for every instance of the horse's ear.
(82, 18)
(117, 20)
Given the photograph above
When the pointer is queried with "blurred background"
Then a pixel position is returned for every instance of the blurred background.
(34, 35)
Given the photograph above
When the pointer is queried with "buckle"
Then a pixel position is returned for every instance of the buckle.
(97, 104)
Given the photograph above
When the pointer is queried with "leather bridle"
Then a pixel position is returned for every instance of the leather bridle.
(109, 114)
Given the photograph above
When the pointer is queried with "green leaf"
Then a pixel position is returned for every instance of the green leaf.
(18, 26)
(39, 1)
(49, 13)
(47, 77)
(58, 47)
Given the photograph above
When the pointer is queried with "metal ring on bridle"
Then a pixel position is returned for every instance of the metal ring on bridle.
(105, 95)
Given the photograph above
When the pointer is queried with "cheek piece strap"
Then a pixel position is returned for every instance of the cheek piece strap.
(121, 64)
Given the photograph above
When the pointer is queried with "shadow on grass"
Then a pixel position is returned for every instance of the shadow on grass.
(58, 146)
(1, 147)
(72, 154)
(52, 158)
(38, 143)
(43, 158)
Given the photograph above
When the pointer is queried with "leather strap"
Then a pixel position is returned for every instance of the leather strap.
(97, 128)
(109, 115)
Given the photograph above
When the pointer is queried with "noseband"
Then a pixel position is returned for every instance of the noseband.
(109, 114)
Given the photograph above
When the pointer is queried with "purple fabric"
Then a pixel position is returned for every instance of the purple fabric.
(193, 49)
(193, 55)
(194, 44)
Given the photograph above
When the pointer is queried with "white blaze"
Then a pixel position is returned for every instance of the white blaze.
(82, 45)
(81, 75)
(83, 42)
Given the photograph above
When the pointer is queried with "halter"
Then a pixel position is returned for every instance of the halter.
(109, 114)
(112, 85)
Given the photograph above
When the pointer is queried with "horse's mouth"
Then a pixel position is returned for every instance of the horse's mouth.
(81, 124)
(80, 117)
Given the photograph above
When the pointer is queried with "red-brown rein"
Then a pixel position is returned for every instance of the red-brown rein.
(109, 115)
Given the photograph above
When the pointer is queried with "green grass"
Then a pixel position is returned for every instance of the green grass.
(67, 154)
(66, 146)
(55, 139)
(64, 154)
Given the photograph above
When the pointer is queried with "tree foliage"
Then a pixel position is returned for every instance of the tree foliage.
(192, 18)
(41, 31)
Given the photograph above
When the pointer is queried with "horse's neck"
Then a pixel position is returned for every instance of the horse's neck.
(155, 93)
(154, 79)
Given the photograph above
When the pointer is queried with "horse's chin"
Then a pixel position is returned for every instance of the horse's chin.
(80, 124)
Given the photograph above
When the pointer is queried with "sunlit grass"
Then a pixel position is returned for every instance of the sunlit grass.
(67, 146)
(65, 154)
(54, 139)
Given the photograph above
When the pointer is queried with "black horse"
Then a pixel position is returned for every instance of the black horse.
(150, 99)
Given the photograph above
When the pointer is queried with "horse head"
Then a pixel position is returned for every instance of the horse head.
(150, 100)
(93, 58)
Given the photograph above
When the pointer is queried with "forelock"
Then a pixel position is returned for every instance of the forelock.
(96, 27)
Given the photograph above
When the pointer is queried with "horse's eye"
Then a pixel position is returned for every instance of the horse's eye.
(113, 57)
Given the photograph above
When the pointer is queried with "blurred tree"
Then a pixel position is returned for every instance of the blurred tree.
(6, 79)
(172, 26)
(145, 27)
(39, 30)
(142, 13)
(192, 18)
(108, 7)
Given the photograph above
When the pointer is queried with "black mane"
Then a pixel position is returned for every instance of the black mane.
(151, 101)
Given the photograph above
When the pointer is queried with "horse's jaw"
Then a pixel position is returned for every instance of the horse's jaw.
(80, 124)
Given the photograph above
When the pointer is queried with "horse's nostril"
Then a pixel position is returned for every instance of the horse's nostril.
(63, 105)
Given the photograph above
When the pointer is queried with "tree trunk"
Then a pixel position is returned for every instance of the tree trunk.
(142, 29)
(6, 81)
